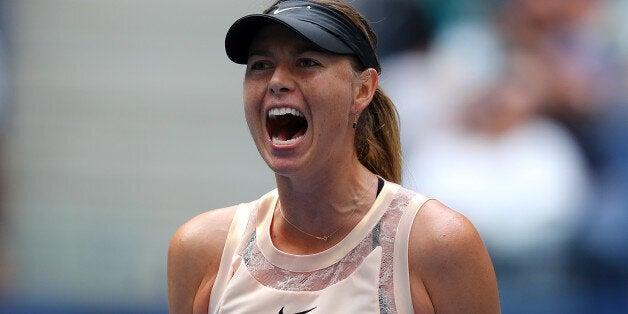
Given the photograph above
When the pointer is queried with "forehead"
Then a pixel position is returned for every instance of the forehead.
(276, 34)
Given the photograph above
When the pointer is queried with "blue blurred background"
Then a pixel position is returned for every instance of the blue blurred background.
(122, 119)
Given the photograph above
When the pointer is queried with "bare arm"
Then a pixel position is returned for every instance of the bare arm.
(449, 264)
(193, 259)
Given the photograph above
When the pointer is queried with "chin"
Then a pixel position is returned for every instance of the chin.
(284, 168)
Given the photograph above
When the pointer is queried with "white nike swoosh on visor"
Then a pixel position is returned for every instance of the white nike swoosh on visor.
(277, 11)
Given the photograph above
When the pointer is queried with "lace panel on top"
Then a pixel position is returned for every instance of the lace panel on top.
(382, 235)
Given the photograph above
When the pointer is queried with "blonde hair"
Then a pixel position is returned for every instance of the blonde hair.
(377, 141)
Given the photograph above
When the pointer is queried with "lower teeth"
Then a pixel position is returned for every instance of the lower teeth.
(286, 142)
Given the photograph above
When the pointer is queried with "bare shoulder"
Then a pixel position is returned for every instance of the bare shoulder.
(448, 258)
(193, 259)
(201, 233)
(439, 229)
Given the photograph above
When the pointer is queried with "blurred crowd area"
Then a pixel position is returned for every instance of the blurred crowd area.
(515, 113)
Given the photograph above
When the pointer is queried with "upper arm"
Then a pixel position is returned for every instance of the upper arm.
(193, 258)
(449, 260)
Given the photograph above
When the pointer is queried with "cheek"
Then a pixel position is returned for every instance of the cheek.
(253, 97)
(337, 96)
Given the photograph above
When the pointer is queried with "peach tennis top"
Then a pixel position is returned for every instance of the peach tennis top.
(366, 272)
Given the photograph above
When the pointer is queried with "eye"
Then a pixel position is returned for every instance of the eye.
(259, 65)
(307, 63)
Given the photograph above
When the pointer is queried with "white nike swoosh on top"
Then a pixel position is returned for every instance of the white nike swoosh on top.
(277, 11)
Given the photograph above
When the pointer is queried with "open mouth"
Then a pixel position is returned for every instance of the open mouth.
(285, 125)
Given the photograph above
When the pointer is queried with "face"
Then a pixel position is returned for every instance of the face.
(299, 103)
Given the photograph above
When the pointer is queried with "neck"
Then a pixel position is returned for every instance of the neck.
(323, 204)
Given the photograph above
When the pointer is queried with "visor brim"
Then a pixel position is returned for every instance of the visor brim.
(244, 30)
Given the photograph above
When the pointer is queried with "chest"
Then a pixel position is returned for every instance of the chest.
(272, 291)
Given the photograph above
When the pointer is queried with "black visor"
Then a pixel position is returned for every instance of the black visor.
(328, 29)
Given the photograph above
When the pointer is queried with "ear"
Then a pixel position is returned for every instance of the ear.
(367, 84)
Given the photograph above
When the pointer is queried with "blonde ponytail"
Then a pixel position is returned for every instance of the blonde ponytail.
(377, 142)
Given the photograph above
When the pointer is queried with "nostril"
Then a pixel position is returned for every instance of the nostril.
(277, 90)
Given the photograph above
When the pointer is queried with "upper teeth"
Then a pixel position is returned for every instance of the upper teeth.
(282, 111)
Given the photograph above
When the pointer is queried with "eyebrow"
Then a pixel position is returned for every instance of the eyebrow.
(298, 51)
(259, 52)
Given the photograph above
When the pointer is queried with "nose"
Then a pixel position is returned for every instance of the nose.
(281, 81)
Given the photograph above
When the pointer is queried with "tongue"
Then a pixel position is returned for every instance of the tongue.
(286, 137)
(285, 134)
